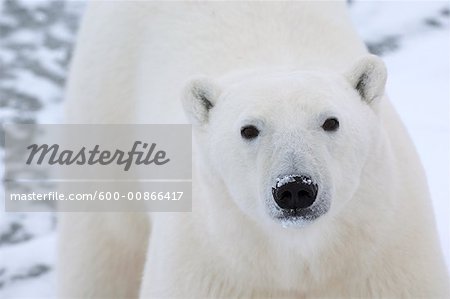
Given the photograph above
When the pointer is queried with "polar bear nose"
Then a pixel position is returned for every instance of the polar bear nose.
(294, 192)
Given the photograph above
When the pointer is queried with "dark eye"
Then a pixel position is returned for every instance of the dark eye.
(331, 124)
(249, 132)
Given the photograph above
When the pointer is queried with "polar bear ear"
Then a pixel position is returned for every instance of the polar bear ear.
(200, 96)
(368, 76)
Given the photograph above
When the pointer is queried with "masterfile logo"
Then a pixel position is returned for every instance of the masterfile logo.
(148, 155)
(99, 167)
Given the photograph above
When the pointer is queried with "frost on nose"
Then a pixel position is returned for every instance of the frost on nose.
(292, 178)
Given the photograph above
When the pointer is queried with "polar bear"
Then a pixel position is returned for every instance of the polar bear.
(305, 182)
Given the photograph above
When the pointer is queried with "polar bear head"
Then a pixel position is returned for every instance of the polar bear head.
(288, 146)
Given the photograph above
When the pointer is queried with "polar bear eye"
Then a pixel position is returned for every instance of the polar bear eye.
(249, 132)
(331, 124)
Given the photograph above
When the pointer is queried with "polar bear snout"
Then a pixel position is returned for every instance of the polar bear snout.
(294, 192)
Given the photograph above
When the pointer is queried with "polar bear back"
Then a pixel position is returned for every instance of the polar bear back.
(143, 52)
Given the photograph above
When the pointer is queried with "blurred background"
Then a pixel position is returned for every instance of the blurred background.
(36, 43)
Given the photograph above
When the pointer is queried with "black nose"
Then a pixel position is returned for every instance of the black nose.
(294, 192)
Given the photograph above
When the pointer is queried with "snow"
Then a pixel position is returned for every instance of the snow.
(284, 180)
(23, 262)
(412, 38)
(292, 178)
(36, 39)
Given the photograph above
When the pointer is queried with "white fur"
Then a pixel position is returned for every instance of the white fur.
(283, 67)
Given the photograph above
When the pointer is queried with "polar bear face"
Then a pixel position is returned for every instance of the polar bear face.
(289, 146)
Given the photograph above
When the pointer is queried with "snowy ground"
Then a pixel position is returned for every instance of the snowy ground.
(36, 41)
